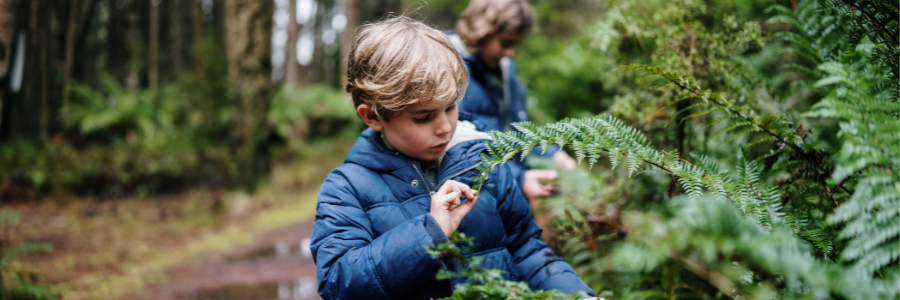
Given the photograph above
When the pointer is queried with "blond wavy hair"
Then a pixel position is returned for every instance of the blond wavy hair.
(483, 18)
(398, 62)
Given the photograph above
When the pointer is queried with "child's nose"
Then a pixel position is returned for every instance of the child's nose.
(509, 52)
(443, 125)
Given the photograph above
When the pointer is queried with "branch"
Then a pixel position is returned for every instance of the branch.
(716, 279)
(685, 84)
(884, 28)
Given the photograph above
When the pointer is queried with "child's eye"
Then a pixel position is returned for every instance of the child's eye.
(451, 107)
(422, 120)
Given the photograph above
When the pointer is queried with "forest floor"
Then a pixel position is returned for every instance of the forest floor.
(276, 265)
(197, 244)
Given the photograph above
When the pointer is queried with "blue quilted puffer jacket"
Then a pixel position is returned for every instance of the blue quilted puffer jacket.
(372, 226)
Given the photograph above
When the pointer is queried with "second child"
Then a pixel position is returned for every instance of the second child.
(486, 36)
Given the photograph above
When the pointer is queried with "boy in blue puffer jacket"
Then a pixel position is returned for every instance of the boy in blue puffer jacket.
(485, 37)
(399, 188)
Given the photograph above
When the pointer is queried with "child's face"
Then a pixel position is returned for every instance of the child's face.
(420, 131)
(496, 46)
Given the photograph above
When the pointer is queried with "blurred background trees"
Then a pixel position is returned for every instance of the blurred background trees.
(142, 96)
(795, 98)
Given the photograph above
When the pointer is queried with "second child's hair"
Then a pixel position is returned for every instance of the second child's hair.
(487, 17)
(398, 62)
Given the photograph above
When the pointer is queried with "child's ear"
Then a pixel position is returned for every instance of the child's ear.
(368, 115)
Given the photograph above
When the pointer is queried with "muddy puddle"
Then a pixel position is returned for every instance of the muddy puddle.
(275, 266)
(278, 250)
(301, 289)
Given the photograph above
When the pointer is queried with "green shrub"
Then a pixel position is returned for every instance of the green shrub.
(126, 141)
(13, 284)
(315, 112)
(791, 189)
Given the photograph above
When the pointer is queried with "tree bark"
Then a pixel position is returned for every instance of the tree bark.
(40, 37)
(248, 26)
(197, 20)
(7, 31)
(153, 55)
(291, 68)
(70, 50)
(134, 38)
(350, 11)
(176, 17)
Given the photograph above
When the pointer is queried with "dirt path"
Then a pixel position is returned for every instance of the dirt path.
(273, 266)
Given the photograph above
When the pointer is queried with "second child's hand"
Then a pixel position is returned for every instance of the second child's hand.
(446, 208)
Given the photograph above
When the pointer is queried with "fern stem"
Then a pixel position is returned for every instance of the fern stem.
(716, 279)
(680, 82)
(687, 162)
(884, 32)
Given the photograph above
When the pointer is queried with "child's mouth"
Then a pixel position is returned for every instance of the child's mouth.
(439, 147)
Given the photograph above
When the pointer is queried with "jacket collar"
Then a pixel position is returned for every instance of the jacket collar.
(458, 44)
(370, 152)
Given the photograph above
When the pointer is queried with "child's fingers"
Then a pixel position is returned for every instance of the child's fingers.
(471, 202)
(447, 200)
(452, 185)
(455, 202)
(468, 206)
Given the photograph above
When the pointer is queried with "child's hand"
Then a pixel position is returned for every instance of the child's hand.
(532, 187)
(446, 208)
(564, 161)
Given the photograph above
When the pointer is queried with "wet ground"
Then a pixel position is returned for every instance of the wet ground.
(275, 266)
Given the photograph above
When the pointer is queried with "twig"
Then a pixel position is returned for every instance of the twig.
(884, 28)
(716, 279)
(687, 162)
(763, 128)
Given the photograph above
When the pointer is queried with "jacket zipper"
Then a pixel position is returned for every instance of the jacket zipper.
(459, 173)
(424, 181)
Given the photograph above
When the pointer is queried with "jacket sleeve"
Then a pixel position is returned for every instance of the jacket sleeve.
(536, 262)
(352, 264)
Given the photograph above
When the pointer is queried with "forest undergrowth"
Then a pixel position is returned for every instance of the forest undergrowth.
(744, 159)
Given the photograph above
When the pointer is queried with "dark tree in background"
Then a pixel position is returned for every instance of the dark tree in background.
(7, 31)
(248, 28)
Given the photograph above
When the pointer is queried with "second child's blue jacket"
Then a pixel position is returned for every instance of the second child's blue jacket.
(373, 224)
(496, 104)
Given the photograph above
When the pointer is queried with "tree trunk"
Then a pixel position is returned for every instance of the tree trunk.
(40, 37)
(7, 31)
(176, 34)
(248, 26)
(134, 38)
(197, 19)
(350, 11)
(70, 50)
(153, 73)
(22, 106)
(291, 68)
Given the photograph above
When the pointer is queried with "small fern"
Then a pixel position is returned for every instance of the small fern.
(481, 283)
(14, 285)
